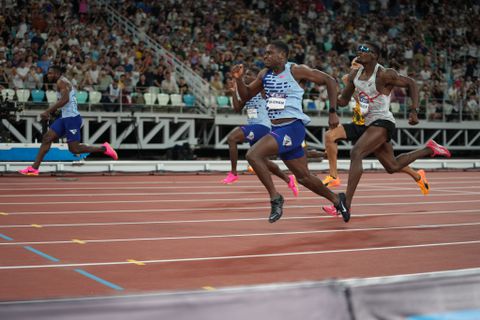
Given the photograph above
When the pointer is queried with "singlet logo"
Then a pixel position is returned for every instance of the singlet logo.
(287, 141)
(73, 131)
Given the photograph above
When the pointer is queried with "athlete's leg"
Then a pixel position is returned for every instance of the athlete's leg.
(369, 142)
(77, 148)
(331, 147)
(299, 167)
(258, 157)
(394, 164)
(234, 138)
(47, 141)
(412, 173)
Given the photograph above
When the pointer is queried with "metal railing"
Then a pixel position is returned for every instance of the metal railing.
(199, 87)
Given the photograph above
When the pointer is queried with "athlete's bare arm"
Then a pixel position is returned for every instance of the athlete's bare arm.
(64, 90)
(303, 72)
(349, 89)
(247, 92)
(389, 78)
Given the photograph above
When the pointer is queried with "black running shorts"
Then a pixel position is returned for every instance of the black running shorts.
(390, 126)
(354, 131)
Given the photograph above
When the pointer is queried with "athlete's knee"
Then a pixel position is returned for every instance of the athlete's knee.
(232, 140)
(74, 149)
(390, 169)
(251, 156)
(356, 153)
(329, 137)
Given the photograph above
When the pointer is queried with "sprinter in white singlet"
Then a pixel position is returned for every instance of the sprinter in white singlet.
(374, 84)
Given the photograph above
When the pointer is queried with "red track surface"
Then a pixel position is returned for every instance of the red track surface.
(192, 232)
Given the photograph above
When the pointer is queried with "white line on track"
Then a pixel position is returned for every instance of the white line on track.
(167, 180)
(19, 194)
(249, 208)
(252, 256)
(244, 199)
(124, 223)
(409, 184)
(247, 235)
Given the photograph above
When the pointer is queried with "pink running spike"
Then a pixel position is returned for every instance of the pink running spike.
(109, 151)
(330, 210)
(292, 184)
(29, 171)
(437, 149)
(231, 178)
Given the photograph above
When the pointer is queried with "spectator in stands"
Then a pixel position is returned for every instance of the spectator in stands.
(113, 97)
(183, 86)
(169, 84)
(104, 80)
(472, 108)
(217, 84)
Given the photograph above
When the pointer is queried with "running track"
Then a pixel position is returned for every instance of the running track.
(107, 235)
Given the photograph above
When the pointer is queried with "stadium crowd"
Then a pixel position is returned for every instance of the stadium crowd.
(436, 43)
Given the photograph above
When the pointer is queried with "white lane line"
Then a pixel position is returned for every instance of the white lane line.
(247, 235)
(124, 223)
(250, 256)
(88, 201)
(167, 180)
(411, 190)
(249, 208)
(409, 185)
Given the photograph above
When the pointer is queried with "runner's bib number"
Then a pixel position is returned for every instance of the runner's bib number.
(276, 101)
(252, 113)
(364, 104)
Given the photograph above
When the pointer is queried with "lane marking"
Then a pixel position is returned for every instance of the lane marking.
(36, 225)
(249, 208)
(100, 280)
(40, 253)
(218, 178)
(87, 201)
(5, 237)
(208, 288)
(3, 214)
(414, 191)
(252, 256)
(96, 224)
(241, 235)
(138, 263)
(78, 241)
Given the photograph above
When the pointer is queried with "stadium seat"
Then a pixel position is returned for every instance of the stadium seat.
(82, 96)
(23, 95)
(150, 98)
(163, 99)
(52, 96)
(8, 94)
(395, 107)
(189, 100)
(176, 99)
(309, 105)
(38, 95)
(222, 101)
(94, 97)
(154, 90)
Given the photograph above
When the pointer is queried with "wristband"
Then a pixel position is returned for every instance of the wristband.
(332, 110)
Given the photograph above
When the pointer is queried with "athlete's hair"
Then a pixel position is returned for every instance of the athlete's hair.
(280, 45)
(374, 47)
